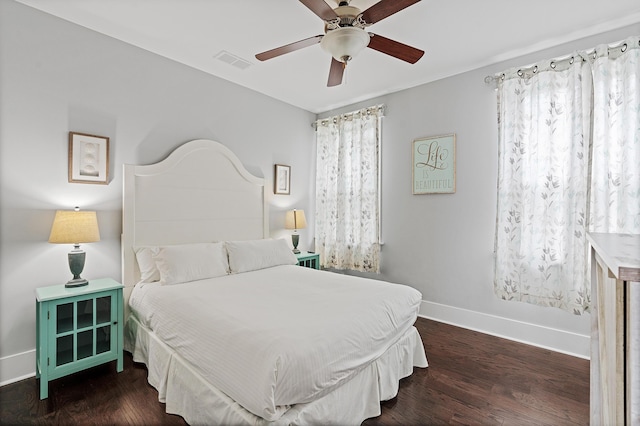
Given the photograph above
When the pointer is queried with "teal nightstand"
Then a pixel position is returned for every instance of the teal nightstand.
(309, 260)
(77, 328)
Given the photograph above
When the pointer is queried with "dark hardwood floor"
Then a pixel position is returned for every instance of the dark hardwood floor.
(473, 378)
(477, 379)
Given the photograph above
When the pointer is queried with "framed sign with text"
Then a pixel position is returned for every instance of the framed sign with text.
(434, 165)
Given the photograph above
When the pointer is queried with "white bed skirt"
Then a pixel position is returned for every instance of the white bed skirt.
(199, 403)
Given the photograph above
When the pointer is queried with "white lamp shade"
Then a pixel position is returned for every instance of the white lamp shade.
(345, 43)
(295, 219)
(74, 227)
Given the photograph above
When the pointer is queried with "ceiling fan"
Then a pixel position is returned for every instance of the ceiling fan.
(345, 35)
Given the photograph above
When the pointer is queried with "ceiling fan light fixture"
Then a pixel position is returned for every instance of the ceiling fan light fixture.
(345, 43)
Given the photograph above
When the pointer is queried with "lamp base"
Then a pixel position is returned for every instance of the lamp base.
(294, 239)
(76, 264)
(76, 282)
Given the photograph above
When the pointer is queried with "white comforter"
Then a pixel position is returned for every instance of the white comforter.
(278, 336)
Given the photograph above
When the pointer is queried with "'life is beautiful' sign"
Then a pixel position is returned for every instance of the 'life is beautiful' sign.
(434, 165)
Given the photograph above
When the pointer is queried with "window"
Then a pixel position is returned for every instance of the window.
(555, 180)
(348, 190)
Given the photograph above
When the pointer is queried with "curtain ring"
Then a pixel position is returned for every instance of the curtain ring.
(535, 69)
(624, 48)
(552, 65)
(520, 73)
(571, 61)
(503, 76)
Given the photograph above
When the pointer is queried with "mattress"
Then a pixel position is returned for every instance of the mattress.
(281, 336)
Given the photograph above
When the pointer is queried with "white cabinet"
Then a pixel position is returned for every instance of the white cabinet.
(615, 329)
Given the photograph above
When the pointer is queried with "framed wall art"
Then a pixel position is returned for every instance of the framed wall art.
(434, 165)
(282, 179)
(88, 158)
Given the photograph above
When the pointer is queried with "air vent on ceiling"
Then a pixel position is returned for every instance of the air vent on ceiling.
(232, 59)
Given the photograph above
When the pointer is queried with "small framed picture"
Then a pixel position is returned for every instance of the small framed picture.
(88, 158)
(282, 179)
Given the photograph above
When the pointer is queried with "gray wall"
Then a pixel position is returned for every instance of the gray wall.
(57, 77)
(442, 244)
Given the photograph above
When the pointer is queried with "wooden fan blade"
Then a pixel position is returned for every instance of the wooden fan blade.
(384, 9)
(395, 48)
(335, 73)
(320, 8)
(287, 48)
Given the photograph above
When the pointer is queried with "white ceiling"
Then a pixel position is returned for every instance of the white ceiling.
(457, 36)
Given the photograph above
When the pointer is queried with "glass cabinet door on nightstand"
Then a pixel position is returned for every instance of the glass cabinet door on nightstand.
(309, 260)
(82, 328)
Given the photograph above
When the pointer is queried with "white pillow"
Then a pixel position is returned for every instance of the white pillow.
(251, 255)
(189, 262)
(147, 265)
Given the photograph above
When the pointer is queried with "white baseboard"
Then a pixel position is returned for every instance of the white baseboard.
(544, 337)
(14, 368)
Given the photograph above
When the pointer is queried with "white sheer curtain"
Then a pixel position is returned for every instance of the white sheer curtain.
(547, 200)
(543, 174)
(347, 190)
(615, 183)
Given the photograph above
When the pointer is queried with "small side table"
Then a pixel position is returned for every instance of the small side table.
(615, 328)
(77, 328)
(309, 260)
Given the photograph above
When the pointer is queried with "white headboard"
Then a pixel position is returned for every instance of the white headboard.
(200, 193)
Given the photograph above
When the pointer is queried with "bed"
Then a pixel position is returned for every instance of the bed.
(231, 329)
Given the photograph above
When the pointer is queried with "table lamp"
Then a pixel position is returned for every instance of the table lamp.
(75, 227)
(295, 220)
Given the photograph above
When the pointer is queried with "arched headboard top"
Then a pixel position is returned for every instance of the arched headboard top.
(200, 193)
(196, 147)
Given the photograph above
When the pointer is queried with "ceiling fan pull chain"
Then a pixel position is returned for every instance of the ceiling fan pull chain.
(345, 74)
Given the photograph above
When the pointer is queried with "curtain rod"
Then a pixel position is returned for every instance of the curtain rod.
(533, 69)
(380, 109)
(623, 46)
